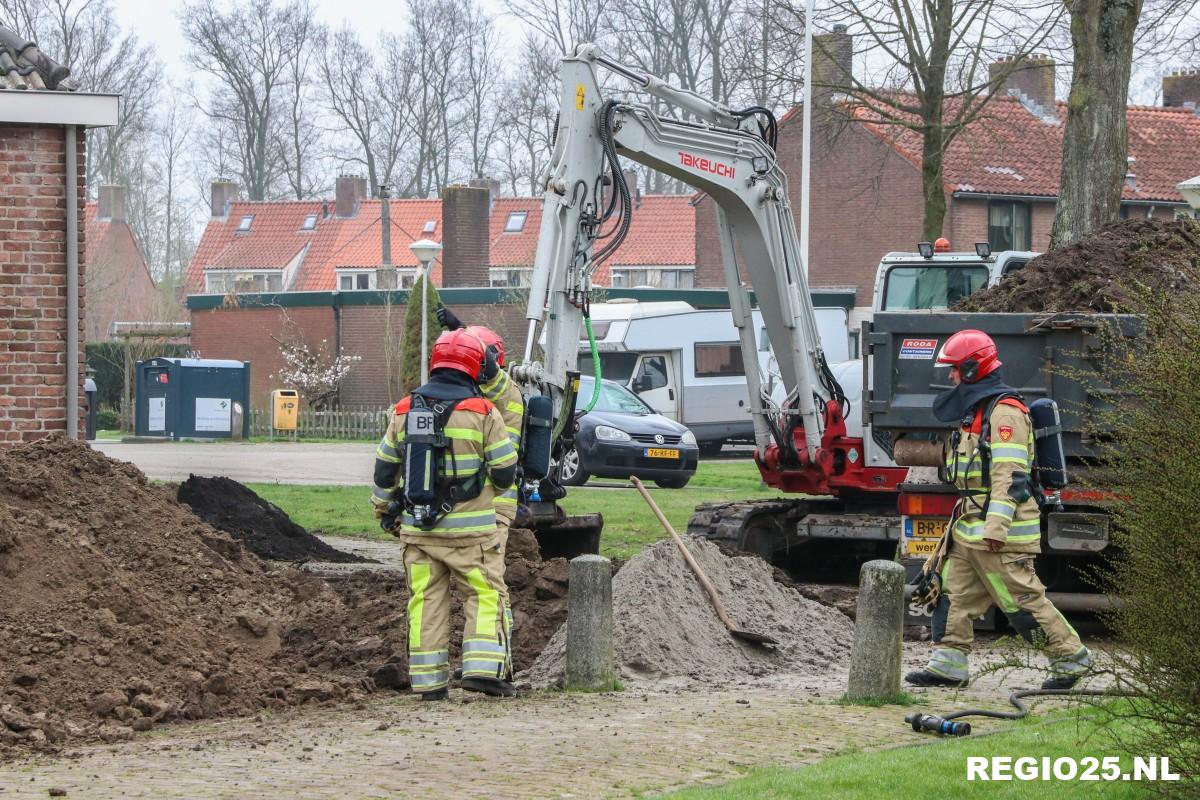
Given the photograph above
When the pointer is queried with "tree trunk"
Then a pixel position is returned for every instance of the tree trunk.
(1095, 139)
(933, 188)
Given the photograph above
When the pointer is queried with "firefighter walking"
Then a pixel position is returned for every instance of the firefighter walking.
(444, 458)
(996, 530)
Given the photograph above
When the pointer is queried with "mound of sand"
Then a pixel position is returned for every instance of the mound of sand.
(666, 628)
(261, 526)
(122, 609)
(1105, 271)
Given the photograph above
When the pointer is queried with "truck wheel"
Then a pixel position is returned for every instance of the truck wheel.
(711, 448)
(573, 473)
(672, 483)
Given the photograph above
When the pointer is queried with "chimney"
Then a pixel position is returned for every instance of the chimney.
(635, 188)
(223, 195)
(111, 202)
(465, 247)
(348, 193)
(1030, 78)
(1180, 88)
(833, 63)
(491, 184)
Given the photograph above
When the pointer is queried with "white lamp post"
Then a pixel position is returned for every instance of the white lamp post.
(1190, 189)
(426, 251)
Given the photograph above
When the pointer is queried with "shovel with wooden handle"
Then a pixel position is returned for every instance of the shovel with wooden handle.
(749, 636)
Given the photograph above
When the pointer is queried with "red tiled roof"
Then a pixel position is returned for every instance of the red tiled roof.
(663, 232)
(276, 236)
(1010, 150)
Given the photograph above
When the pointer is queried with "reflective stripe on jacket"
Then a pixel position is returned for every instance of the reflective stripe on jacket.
(1011, 514)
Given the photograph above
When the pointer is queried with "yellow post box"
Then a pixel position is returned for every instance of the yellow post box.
(285, 409)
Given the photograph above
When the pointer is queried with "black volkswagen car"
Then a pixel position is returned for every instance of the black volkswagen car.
(622, 436)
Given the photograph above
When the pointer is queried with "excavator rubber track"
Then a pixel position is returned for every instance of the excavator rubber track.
(755, 526)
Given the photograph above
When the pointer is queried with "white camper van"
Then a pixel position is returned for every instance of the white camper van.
(686, 363)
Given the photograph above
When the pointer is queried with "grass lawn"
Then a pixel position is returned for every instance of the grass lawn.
(939, 769)
(629, 525)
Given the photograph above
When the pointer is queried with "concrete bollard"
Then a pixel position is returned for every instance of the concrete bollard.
(878, 632)
(590, 625)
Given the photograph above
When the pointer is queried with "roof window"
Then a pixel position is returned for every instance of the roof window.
(244, 225)
(430, 226)
(515, 222)
(310, 223)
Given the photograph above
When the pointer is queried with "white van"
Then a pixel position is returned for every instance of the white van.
(686, 363)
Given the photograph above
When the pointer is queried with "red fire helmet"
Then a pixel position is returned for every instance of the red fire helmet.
(490, 339)
(460, 350)
(973, 352)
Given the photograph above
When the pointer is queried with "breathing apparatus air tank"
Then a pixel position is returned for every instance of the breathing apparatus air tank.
(1048, 444)
(539, 420)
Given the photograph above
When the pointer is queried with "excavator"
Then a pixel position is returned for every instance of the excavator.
(813, 442)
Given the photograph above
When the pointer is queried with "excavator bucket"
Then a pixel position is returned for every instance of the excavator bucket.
(559, 535)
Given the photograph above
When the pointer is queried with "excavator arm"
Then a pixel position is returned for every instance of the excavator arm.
(727, 154)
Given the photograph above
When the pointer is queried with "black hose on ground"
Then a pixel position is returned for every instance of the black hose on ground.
(945, 725)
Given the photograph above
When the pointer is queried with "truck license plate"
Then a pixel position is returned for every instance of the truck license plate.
(921, 534)
(655, 452)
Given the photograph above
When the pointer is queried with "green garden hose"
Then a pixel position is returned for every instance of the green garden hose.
(587, 323)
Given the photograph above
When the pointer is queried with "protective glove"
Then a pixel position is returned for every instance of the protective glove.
(491, 364)
(928, 588)
(447, 318)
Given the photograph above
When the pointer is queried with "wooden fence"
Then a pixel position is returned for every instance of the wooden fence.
(345, 423)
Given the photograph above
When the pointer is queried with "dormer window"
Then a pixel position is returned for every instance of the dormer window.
(244, 225)
(310, 223)
(515, 222)
(430, 227)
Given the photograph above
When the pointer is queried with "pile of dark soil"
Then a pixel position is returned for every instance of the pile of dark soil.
(122, 609)
(261, 526)
(1106, 271)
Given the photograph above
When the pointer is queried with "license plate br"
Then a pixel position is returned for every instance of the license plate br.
(921, 534)
(655, 452)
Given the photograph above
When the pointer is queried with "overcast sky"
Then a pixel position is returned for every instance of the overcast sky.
(157, 22)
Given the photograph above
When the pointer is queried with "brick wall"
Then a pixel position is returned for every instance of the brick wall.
(371, 332)
(118, 286)
(251, 334)
(866, 201)
(33, 278)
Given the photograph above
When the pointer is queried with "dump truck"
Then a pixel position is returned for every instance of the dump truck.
(1044, 355)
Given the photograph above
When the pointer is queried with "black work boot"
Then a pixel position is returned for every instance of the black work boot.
(1061, 682)
(437, 694)
(493, 687)
(458, 674)
(926, 678)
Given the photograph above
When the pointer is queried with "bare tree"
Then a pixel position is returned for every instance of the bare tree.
(563, 23)
(932, 74)
(528, 117)
(86, 37)
(298, 141)
(249, 53)
(483, 77)
(1095, 139)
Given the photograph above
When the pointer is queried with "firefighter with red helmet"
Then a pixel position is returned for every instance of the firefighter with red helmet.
(444, 459)
(996, 527)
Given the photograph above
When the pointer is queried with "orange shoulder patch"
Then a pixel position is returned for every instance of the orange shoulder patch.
(1006, 432)
(404, 405)
(480, 405)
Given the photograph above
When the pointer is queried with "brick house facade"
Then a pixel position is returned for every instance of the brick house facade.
(41, 119)
(117, 282)
(1001, 174)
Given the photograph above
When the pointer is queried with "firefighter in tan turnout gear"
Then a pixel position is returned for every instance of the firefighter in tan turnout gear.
(996, 527)
(445, 457)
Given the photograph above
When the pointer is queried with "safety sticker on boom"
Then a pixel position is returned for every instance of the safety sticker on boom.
(918, 348)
